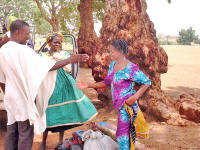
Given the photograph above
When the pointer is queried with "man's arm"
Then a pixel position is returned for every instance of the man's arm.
(72, 59)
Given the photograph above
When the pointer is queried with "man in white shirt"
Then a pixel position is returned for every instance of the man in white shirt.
(22, 73)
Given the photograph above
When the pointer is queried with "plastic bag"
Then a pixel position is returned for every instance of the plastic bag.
(95, 140)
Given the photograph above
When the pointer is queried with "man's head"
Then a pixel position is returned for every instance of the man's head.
(20, 31)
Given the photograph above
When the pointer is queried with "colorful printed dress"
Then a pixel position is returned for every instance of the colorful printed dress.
(131, 122)
(68, 107)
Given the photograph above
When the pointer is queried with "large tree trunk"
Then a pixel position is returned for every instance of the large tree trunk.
(87, 36)
(127, 19)
(89, 43)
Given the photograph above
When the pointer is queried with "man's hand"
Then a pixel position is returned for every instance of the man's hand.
(71, 60)
(79, 58)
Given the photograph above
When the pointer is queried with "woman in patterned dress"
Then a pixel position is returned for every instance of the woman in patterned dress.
(121, 78)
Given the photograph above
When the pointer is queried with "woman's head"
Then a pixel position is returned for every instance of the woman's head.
(54, 40)
(118, 48)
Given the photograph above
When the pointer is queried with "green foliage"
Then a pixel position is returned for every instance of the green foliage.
(6, 8)
(41, 25)
(65, 12)
(98, 7)
(70, 22)
(187, 36)
(29, 11)
(26, 10)
(166, 42)
(68, 40)
(197, 41)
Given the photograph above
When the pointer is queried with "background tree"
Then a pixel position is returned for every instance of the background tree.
(186, 37)
(26, 10)
(48, 15)
(56, 13)
(20, 9)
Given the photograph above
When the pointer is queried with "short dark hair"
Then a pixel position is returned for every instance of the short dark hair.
(17, 25)
(121, 45)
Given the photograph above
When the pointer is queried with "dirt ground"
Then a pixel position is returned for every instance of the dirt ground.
(182, 77)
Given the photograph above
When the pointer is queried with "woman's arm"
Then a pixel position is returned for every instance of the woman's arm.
(97, 85)
(131, 100)
(82, 85)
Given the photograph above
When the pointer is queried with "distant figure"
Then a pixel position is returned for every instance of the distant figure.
(30, 44)
(4, 29)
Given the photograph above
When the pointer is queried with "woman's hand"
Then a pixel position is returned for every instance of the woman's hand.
(81, 85)
(131, 100)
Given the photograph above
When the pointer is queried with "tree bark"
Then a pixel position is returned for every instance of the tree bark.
(89, 43)
(86, 31)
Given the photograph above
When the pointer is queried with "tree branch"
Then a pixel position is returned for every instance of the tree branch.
(43, 12)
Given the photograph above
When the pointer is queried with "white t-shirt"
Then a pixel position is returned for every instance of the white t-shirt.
(23, 71)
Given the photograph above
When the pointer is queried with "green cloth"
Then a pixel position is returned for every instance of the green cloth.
(68, 105)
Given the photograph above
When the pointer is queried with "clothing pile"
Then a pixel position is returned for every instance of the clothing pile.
(100, 136)
(74, 143)
(92, 139)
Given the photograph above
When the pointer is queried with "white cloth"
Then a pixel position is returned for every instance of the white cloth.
(94, 140)
(23, 72)
(44, 93)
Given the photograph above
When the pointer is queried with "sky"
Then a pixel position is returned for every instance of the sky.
(169, 19)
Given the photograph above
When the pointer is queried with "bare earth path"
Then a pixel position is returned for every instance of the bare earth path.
(183, 77)
(183, 74)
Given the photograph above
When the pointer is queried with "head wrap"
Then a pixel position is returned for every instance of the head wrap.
(121, 45)
(9, 21)
(51, 36)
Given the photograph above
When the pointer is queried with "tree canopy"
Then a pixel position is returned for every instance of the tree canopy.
(48, 15)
